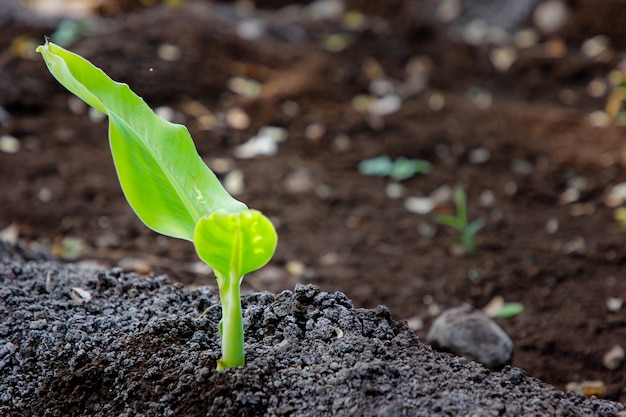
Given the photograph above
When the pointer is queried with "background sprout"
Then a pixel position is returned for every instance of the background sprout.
(172, 190)
(466, 230)
(400, 169)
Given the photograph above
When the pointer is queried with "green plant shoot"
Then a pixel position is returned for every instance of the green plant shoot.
(466, 230)
(400, 169)
(172, 190)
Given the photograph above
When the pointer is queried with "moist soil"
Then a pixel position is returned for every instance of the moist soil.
(142, 346)
(551, 241)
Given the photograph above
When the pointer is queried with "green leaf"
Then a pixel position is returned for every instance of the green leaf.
(163, 178)
(509, 310)
(449, 220)
(235, 244)
(404, 168)
(380, 166)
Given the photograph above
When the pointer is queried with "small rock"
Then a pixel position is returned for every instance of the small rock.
(468, 332)
(614, 358)
(593, 47)
(503, 58)
(169, 52)
(135, 265)
(587, 388)
(614, 304)
(550, 16)
(479, 155)
(234, 182)
(80, 295)
(419, 205)
(9, 144)
(615, 196)
(238, 119)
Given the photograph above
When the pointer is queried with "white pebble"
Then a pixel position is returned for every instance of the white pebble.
(593, 47)
(96, 116)
(251, 29)
(234, 182)
(385, 105)
(552, 225)
(614, 304)
(315, 131)
(394, 190)
(597, 88)
(614, 358)
(616, 195)
(550, 16)
(169, 52)
(436, 101)
(237, 118)
(568, 196)
(503, 58)
(165, 112)
(479, 155)
(256, 146)
(277, 134)
(486, 198)
(442, 195)
(419, 205)
(44, 195)
(76, 105)
(9, 144)
(599, 118)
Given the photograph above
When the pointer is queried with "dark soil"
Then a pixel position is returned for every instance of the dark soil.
(140, 347)
(337, 223)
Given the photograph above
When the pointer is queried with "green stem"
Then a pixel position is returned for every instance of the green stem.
(231, 325)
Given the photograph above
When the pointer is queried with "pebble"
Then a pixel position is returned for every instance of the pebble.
(503, 58)
(234, 182)
(165, 112)
(550, 16)
(597, 88)
(80, 295)
(419, 205)
(341, 143)
(169, 52)
(486, 198)
(256, 146)
(614, 358)
(614, 304)
(552, 225)
(436, 101)
(394, 190)
(237, 118)
(76, 105)
(593, 47)
(468, 332)
(299, 181)
(96, 116)
(522, 167)
(479, 155)
(568, 196)
(9, 144)
(587, 388)
(526, 38)
(599, 118)
(616, 196)
(135, 265)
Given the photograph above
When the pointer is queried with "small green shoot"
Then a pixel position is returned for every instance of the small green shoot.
(466, 230)
(400, 169)
(509, 310)
(172, 190)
